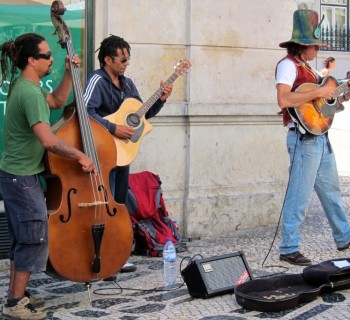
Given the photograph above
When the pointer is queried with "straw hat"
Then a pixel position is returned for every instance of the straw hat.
(306, 29)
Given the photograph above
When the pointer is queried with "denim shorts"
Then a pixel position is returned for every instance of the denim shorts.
(27, 219)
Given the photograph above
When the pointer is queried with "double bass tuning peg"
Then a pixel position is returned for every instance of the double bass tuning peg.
(58, 8)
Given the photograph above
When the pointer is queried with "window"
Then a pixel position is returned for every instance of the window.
(335, 24)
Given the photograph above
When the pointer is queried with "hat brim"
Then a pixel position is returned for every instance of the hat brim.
(305, 42)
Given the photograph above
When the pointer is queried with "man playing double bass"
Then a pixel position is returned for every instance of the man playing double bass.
(27, 134)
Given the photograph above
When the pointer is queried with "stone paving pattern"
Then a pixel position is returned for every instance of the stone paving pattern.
(140, 295)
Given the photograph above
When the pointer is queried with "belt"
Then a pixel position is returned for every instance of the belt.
(302, 135)
(307, 134)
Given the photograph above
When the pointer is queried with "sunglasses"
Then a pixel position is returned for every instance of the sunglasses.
(122, 60)
(45, 56)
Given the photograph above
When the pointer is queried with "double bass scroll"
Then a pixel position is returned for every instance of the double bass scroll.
(90, 235)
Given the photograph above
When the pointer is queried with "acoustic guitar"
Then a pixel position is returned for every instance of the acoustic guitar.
(132, 113)
(316, 116)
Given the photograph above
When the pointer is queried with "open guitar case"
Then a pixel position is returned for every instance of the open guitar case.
(286, 291)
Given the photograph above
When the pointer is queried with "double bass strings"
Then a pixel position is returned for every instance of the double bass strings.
(97, 183)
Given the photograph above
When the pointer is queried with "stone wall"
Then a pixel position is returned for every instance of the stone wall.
(218, 144)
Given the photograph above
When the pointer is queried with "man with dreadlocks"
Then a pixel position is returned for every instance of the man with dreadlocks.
(27, 133)
(105, 91)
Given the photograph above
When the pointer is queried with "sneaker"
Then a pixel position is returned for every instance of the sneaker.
(347, 246)
(23, 310)
(128, 267)
(296, 258)
(34, 301)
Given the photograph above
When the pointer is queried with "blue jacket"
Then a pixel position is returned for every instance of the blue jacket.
(103, 98)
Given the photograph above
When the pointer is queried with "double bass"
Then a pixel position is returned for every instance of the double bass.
(90, 235)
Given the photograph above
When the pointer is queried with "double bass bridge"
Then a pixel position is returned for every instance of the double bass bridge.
(91, 204)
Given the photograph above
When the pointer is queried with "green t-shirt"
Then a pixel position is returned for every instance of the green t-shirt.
(26, 105)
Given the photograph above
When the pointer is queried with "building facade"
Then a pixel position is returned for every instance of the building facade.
(218, 144)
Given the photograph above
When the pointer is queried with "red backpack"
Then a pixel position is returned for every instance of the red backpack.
(150, 218)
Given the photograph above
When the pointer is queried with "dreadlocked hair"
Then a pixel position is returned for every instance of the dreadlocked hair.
(15, 54)
(8, 53)
(109, 48)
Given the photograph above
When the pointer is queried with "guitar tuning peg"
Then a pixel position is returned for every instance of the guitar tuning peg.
(180, 61)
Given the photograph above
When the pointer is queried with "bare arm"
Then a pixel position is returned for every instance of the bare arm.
(59, 96)
(287, 98)
(54, 144)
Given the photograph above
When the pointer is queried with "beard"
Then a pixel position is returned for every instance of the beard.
(48, 71)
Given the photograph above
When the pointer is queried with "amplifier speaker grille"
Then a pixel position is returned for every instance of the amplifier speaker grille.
(217, 275)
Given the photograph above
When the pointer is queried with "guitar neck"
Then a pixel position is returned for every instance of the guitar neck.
(340, 89)
(151, 101)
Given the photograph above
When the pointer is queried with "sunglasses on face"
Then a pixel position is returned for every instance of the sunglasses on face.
(45, 56)
(122, 60)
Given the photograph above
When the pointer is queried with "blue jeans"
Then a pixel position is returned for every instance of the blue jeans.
(312, 166)
(119, 183)
(27, 219)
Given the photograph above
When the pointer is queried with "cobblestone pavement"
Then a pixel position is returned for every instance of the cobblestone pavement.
(140, 295)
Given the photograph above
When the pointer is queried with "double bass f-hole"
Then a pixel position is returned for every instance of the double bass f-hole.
(90, 235)
(69, 206)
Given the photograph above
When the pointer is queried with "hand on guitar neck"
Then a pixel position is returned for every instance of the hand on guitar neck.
(316, 116)
(167, 89)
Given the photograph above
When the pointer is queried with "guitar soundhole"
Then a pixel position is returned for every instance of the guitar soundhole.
(330, 101)
(133, 120)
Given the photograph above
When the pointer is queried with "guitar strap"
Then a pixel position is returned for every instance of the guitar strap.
(305, 73)
(319, 77)
(133, 95)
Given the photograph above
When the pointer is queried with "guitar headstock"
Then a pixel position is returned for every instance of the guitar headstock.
(61, 29)
(182, 67)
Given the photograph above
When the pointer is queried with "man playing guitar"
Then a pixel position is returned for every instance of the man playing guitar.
(312, 161)
(105, 91)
